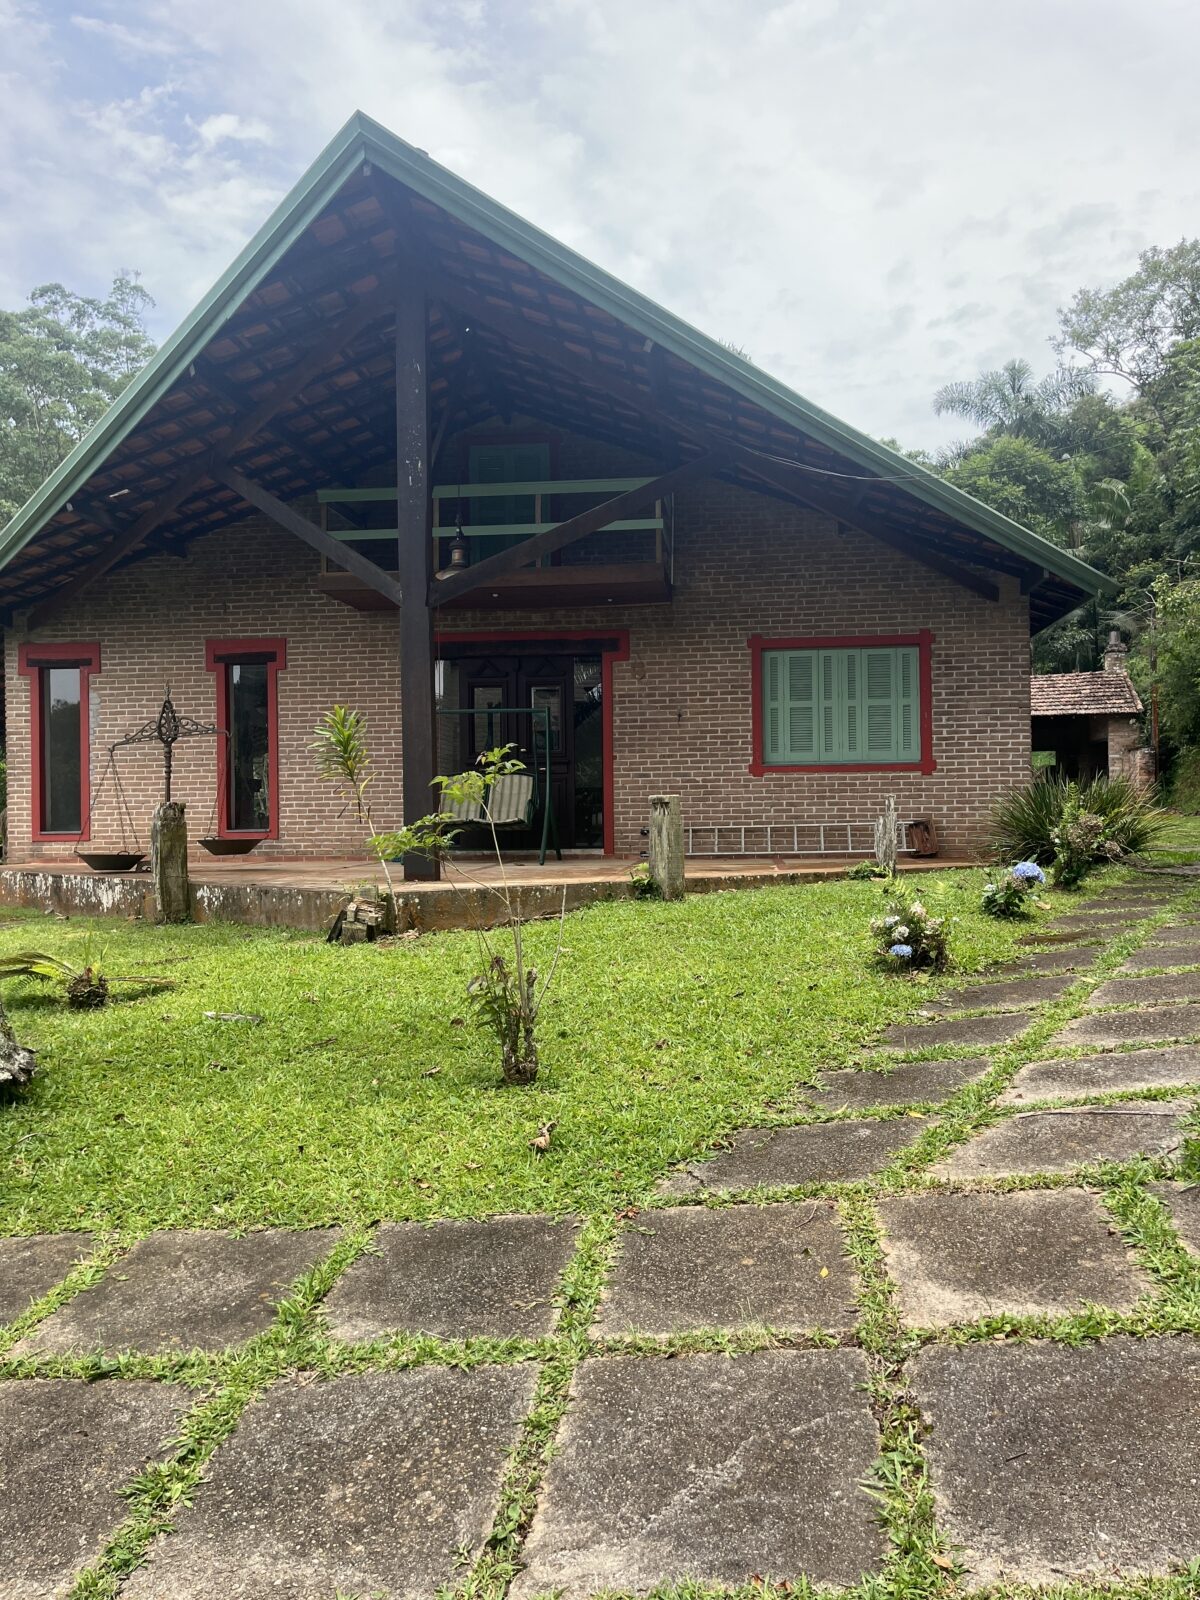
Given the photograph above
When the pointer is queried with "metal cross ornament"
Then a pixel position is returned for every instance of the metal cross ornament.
(168, 728)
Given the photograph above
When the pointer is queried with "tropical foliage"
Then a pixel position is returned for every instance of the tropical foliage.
(1042, 823)
(1102, 455)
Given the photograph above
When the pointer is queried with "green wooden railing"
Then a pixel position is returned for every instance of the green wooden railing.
(450, 497)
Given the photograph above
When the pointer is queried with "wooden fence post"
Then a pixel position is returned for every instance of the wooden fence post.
(168, 863)
(666, 845)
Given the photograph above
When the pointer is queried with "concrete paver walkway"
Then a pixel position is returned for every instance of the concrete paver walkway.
(706, 1432)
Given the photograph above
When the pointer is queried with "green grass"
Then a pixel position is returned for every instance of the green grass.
(367, 1092)
(672, 1026)
(1179, 842)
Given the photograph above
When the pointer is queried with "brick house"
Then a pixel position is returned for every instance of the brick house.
(699, 582)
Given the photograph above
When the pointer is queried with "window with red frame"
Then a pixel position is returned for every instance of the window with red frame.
(248, 712)
(59, 736)
(852, 704)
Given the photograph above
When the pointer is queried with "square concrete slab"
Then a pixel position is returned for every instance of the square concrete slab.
(1182, 1200)
(1111, 923)
(456, 1280)
(183, 1291)
(691, 1268)
(31, 1267)
(973, 1033)
(1163, 955)
(1049, 1463)
(708, 1468)
(822, 1152)
(912, 1084)
(959, 1257)
(1056, 936)
(1173, 933)
(1115, 1072)
(1008, 994)
(1062, 958)
(1058, 1141)
(366, 1485)
(66, 1451)
(1165, 988)
(1106, 1030)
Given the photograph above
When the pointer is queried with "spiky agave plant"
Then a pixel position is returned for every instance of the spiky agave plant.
(1024, 822)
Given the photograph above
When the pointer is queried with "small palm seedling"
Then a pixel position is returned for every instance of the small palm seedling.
(86, 981)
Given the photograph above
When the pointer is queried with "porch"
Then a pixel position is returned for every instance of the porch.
(307, 894)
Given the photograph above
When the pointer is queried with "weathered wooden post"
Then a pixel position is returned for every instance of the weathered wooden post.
(666, 845)
(168, 863)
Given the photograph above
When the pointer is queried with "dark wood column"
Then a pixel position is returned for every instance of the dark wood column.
(414, 523)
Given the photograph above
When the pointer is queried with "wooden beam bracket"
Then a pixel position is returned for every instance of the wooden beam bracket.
(285, 517)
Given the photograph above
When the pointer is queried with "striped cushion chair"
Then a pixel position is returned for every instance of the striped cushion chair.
(510, 803)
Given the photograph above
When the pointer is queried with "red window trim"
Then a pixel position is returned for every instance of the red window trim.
(217, 654)
(31, 658)
(924, 642)
(607, 657)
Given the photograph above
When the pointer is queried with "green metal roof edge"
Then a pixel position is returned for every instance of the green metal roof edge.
(362, 138)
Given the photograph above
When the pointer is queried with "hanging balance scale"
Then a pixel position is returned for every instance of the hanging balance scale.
(166, 730)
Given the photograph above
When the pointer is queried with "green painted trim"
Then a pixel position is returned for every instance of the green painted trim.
(364, 139)
(490, 530)
(483, 491)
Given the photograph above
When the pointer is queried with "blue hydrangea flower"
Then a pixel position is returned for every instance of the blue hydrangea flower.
(903, 951)
(1028, 872)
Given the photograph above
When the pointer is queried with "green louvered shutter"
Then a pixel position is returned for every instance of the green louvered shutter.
(878, 704)
(908, 711)
(852, 717)
(831, 698)
(802, 709)
(789, 707)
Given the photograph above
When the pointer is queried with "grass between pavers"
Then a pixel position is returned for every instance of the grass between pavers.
(364, 1094)
(918, 1564)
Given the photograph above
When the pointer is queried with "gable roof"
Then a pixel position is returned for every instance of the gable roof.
(1083, 694)
(367, 203)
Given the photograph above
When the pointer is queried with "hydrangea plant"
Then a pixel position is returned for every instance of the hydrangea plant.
(1008, 895)
(908, 939)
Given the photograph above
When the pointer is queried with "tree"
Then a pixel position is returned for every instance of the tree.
(1007, 400)
(1128, 331)
(1168, 653)
(1026, 483)
(64, 358)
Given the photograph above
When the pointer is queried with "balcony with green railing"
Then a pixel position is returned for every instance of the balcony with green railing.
(628, 560)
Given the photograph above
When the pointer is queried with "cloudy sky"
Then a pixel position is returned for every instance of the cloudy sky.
(870, 198)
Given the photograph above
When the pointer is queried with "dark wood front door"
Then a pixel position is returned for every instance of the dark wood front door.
(498, 693)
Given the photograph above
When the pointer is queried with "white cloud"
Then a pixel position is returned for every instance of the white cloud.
(871, 200)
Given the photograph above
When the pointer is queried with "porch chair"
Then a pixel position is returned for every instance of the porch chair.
(511, 802)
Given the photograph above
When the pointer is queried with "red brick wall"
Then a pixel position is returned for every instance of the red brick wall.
(744, 565)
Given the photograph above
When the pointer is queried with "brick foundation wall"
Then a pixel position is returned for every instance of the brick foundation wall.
(745, 564)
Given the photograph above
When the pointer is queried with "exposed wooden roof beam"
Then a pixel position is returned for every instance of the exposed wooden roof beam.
(285, 517)
(375, 304)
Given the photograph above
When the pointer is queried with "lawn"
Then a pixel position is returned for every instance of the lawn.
(366, 1091)
(1179, 842)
